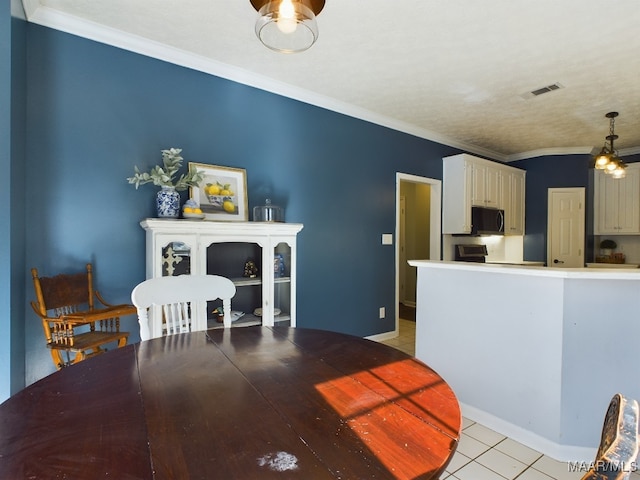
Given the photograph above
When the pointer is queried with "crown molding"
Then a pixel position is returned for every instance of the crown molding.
(629, 151)
(543, 152)
(52, 18)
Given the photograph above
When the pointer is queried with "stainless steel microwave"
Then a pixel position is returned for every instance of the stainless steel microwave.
(487, 221)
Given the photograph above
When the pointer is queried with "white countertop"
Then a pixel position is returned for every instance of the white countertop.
(523, 263)
(585, 273)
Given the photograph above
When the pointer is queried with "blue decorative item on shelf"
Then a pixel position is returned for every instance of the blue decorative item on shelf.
(278, 265)
(168, 203)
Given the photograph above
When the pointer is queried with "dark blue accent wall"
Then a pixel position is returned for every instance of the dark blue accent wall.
(95, 111)
(92, 112)
(558, 171)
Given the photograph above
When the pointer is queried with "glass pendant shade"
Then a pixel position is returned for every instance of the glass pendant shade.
(287, 26)
(619, 172)
(602, 159)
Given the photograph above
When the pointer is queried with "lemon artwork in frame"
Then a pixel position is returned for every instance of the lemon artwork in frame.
(222, 193)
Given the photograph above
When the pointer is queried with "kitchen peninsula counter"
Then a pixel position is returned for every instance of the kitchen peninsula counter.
(532, 352)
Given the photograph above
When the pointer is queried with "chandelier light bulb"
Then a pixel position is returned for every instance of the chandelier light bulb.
(601, 161)
(287, 21)
(619, 172)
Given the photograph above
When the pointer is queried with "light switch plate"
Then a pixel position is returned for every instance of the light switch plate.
(387, 238)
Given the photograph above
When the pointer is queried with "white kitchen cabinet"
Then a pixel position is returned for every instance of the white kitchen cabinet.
(617, 203)
(471, 181)
(175, 247)
(486, 185)
(513, 191)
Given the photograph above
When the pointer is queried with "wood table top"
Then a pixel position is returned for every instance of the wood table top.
(240, 403)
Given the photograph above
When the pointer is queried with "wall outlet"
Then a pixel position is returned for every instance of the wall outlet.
(382, 312)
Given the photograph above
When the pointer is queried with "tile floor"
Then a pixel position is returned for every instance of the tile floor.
(483, 454)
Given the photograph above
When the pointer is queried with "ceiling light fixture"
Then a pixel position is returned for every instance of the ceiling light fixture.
(608, 159)
(287, 26)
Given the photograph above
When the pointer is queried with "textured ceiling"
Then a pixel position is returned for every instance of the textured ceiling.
(453, 71)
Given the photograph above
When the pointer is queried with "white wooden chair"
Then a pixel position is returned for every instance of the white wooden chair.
(181, 303)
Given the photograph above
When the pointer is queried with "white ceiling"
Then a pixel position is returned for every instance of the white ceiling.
(452, 71)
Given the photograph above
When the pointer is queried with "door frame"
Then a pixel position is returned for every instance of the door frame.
(435, 221)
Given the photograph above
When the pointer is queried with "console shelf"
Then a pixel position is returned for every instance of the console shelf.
(176, 247)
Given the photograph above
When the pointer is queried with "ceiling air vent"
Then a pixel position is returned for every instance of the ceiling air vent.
(541, 91)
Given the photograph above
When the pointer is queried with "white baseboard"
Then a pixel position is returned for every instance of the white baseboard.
(381, 337)
(562, 453)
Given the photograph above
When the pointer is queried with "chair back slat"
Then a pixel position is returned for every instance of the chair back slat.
(64, 291)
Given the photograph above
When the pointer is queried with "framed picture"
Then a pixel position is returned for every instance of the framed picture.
(222, 194)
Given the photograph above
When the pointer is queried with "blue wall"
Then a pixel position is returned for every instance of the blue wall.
(559, 171)
(12, 140)
(94, 111)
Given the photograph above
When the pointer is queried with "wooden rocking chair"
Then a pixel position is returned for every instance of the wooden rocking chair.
(66, 303)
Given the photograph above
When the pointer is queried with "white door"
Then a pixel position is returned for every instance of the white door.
(565, 228)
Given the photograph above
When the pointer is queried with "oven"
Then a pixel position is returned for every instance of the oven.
(470, 253)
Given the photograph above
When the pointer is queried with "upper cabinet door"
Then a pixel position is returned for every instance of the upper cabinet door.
(629, 202)
(617, 203)
(513, 185)
(486, 186)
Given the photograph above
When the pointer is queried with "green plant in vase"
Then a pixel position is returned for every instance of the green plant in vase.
(168, 198)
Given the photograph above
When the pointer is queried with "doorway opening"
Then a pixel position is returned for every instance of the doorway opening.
(418, 232)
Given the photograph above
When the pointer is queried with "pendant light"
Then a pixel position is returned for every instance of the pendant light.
(608, 159)
(287, 26)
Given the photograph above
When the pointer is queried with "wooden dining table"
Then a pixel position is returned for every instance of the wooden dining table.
(237, 403)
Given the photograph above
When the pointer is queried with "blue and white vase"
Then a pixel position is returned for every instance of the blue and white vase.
(168, 203)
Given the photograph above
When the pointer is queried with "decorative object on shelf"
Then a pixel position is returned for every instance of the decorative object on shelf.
(268, 213)
(258, 312)
(608, 159)
(218, 314)
(168, 202)
(607, 254)
(170, 260)
(287, 26)
(608, 246)
(222, 192)
(250, 269)
(191, 210)
(278, 265)
(167, 198)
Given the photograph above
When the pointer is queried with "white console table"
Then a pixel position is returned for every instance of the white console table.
(175, 247)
